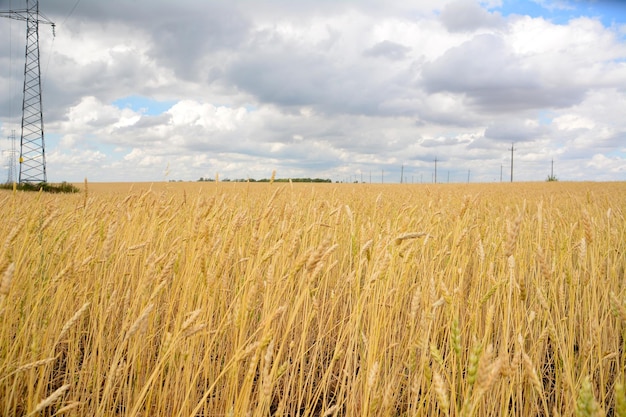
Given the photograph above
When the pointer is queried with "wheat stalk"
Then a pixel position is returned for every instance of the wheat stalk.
(442, 393)
(51, 399)
(138, 323)
(5, 283)
(405, 236)
(512, 236)
(586, 404)
(72, 320)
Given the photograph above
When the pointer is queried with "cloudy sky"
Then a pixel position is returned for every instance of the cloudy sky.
(151, 90)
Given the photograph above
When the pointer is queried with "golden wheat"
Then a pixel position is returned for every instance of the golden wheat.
(273, 300)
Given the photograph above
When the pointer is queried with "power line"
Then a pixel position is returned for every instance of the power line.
(10, 66)
(71, 12)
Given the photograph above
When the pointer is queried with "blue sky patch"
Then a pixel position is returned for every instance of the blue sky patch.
(610, 12)
(545, 117)
(144, 105)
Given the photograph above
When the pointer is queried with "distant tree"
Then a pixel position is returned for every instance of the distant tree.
(202, 179)
(552, 178)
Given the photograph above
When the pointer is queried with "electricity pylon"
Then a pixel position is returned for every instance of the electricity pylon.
(11, 159)
(32, 145)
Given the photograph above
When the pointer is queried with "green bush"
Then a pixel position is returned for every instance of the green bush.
(64, 187)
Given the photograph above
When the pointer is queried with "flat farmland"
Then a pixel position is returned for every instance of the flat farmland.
(259, 299)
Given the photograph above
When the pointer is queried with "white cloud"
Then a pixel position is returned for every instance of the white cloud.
(90, 115)
(573, 122)
(206, 115)
(139, 157)
(608, 166)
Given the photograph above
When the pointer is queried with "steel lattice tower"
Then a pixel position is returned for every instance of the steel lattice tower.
(32, 146)
(11, 159)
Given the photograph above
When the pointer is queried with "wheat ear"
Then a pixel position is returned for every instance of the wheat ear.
(50, 400)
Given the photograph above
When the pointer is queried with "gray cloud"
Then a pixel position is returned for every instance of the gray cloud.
(181, 40)
(180, 33)
(495, 79)
(284, 78)
(514, 130)
(289, 77)
(388, 49)
(467, 16)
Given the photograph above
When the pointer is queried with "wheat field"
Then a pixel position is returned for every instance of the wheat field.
(243, 299)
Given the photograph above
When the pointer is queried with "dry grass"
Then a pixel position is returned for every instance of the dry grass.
(314, 300)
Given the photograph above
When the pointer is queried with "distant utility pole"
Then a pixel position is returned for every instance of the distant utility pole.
(401, 174)
(512, 150)
(11, 159)
(552, 169)
(382, 176)
(32, 148)
(435, 170)
(501, 172)
(448, 177)
(468, 175)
